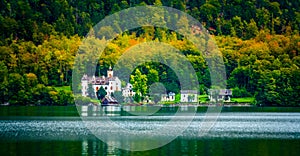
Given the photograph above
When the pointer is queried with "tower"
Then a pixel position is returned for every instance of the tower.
(110, 72)
(84, 84)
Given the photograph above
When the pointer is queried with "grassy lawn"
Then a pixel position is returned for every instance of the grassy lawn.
(95, 101)
(203, 98)
(243, 99)
(65, 88)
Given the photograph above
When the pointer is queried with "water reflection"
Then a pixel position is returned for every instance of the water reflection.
(178, 147)
(96, 147)
(233, 134)
(182, 146)
(93, 111)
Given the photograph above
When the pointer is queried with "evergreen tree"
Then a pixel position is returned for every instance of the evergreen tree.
(101, 93)
(91, 91)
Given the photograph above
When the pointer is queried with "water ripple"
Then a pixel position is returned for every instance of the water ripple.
(229, 125)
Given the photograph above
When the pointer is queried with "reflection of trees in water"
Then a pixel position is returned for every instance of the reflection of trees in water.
(97, 147)
(176, 147)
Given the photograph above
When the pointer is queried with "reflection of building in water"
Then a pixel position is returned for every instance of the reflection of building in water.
(109, 83)
(91, 110)
(97, 147)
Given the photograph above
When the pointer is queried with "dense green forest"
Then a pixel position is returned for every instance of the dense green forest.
(259, 41)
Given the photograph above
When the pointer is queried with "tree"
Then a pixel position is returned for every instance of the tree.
(238, 26)
(16, 88)
(31, 80)
(137, 97)
(251, 29)
(91, 91)
(139, 83)
(156, 98)
(65, 98)
(4, 83)
(152, 76)
(101, 93)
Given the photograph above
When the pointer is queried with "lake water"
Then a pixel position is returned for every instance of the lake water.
(234, 133)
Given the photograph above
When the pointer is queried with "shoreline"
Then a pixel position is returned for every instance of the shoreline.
(71, 111)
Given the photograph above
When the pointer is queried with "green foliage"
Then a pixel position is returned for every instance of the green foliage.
(240, 92)
(137, 98)
(177, 98)
(63, 88)
(39, 42)
(156, 98)
(80, 100)
(36, 21)
(4, 83)
(203, 98)
(243, 100)
(101, 93)
(139, 83)
(91, 91)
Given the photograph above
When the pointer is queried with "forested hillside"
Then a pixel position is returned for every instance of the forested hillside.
(259, 40)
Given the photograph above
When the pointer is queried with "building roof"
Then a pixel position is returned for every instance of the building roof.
(169, 94)
(221, 91)
(109, 100)
(188, 92)
(98, 80)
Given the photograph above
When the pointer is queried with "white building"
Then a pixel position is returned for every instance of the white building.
(109, 83)
(168, 97)
(219, 95)
(189, 96)
(128, 91)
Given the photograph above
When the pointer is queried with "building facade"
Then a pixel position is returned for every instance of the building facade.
(168, 97)
(109, 83)
(128, 91)
(189, 96)
(219, 95)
